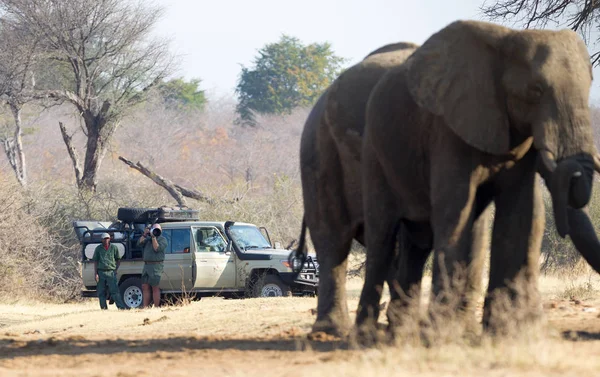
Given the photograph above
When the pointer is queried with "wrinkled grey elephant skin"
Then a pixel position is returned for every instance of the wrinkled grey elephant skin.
(464, 122)
(330, 160)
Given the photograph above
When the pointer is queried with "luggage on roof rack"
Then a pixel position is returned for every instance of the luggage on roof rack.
(160, 214)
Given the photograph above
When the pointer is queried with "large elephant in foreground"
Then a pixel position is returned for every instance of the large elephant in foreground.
(470, 118)
(330, 163)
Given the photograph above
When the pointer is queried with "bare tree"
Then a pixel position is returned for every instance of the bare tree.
(110, 62)
(579, 15)
(17, 59)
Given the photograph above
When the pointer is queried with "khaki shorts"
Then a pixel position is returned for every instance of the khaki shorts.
(151, 274)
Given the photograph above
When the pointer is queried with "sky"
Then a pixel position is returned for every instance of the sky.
(215, 38)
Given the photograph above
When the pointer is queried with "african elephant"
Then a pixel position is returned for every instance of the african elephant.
(468, 119)
(330, 163)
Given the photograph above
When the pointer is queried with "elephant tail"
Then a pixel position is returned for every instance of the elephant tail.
(299, 253)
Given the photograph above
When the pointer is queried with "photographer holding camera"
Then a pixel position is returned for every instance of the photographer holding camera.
(154, 256)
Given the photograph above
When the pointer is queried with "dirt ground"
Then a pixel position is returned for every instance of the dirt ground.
(258, 337)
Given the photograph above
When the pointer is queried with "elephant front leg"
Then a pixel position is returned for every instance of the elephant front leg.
(453, 220)
(413, 247)
(512, 297)
(475, 266)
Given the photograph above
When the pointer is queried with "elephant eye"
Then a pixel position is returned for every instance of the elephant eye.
(535, 91)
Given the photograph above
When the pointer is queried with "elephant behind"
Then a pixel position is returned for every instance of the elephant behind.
(470, 118)
(330, 164)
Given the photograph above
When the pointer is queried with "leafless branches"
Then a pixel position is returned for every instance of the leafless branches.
(105, 55)
(579, 15)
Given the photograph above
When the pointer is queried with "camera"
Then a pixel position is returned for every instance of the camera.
(156, 232)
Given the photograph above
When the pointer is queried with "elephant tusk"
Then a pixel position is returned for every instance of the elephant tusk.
(597, 163)
(548, 160)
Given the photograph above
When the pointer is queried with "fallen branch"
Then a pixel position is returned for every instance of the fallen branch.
(159, 180)
(178, 192)
(194, 194)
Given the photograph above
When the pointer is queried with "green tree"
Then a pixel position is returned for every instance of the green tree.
(286, 74)
(182, 95)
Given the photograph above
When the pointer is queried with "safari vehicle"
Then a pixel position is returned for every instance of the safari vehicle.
(203, 258)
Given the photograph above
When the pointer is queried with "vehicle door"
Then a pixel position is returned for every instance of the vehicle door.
(215, 267)
(178, 266)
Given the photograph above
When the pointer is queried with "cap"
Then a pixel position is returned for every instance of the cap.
(105, 235)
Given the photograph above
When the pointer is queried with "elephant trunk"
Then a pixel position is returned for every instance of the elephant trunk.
(571, 186)
(583, 236)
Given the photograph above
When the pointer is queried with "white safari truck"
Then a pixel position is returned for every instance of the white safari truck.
(203, 258)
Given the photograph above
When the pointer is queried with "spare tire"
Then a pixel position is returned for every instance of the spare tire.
(134, 215)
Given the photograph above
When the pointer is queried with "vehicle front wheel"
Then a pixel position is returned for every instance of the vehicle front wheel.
(271, 286)
(131, 291)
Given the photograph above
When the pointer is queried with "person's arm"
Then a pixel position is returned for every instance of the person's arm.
(95, 259)
(142, 238)
(159, 246)
(117, 258)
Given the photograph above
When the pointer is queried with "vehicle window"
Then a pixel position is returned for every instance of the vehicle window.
(167, 234)
(209, 239)
(179, 241)
(248, 237)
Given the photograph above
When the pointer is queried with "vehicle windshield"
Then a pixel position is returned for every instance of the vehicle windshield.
(248, 237)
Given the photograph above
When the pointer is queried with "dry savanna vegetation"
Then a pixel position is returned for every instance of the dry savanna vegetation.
(254, 337)
(47, 329)
(246, 172)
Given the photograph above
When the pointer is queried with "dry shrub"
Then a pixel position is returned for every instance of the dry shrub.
(32, 262)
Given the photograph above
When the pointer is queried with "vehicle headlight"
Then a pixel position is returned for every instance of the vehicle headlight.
(295, 263)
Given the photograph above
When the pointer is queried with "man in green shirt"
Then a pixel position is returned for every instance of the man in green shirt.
(106, 262)
(154, 256)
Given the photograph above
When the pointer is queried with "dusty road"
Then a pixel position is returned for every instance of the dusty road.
(267, 337)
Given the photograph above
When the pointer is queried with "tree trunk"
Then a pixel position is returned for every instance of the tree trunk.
(98, 136)
(72, 153)
(14, 147)
(20, 154)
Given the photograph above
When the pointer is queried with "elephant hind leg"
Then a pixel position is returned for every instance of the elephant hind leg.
(380, 256)
(332, 306)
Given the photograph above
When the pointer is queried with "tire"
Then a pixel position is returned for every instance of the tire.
(271, 286)
(131, 292)
(133, 215)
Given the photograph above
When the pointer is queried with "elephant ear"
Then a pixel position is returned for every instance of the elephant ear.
(455, 74)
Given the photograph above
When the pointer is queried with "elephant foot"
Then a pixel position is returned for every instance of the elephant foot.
(512, 315)
(369, 335)
(339, 328)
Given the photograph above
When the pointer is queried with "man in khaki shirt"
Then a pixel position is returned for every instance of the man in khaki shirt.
(106, 262)
(154, 256)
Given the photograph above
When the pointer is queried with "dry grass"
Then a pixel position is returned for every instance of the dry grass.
(255, 337)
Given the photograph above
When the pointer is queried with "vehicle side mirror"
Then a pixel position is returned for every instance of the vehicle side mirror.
(278, 245)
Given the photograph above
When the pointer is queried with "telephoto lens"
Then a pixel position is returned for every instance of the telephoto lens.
(156, 232)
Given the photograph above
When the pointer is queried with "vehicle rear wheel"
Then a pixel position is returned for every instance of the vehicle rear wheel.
(271, 286)
(131, 291)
